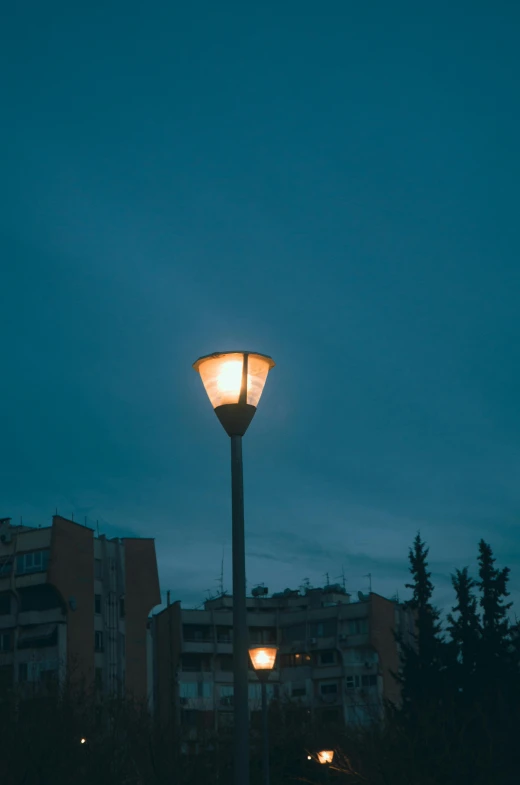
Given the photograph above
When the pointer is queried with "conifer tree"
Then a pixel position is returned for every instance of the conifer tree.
(496, 644)
(421, 664)
(465, 634)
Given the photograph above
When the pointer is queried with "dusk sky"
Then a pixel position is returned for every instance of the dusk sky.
(334, 184)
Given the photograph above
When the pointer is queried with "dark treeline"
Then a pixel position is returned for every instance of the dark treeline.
(457, 725)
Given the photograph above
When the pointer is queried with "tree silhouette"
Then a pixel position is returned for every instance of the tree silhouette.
(465, 633)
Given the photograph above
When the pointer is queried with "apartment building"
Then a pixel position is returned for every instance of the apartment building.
(73, 603)
(335, 657)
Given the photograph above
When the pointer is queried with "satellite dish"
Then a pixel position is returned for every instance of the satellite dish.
(362, 597)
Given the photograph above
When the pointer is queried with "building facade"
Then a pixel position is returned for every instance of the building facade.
(74, 604)
(335, 660)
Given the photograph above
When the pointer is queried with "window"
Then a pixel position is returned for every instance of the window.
(34, 561)
(296, 632)
(329, 689)
(298, 692)
(323, 629)
(6, 676)
(358, 626)
(188, 689)
(196, 632)
(226, 662)
(205, 689)
(22, 671)
(352, 682)
(262, 634)
(122, 610)
(38, 637)
(6, 566)
(254, 691)
(98, 641)
(5, 641)
(226, 695)
(97, 603)
(48, 675)
(5, 603)
(98, 569)
(99, 678)
(327, 658)
(295, 660)
(195, 662)
(224, 634)
(39, 598)
(369, 681)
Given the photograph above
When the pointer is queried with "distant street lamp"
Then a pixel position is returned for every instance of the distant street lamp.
(326, 757)
(263, 659)
(234, 382)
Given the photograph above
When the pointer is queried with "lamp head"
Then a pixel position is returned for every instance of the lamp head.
(263, 659)
(326, 756)
(234, 382)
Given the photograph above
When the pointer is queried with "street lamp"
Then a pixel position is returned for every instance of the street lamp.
(326, 757)
(234, 382)
(263, 658)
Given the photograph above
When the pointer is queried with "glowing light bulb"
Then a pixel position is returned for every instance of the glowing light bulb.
(229, 378)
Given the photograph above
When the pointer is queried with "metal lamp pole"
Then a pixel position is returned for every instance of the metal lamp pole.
(263, 676)
(240, 636)
(234, 382)
(263, 659)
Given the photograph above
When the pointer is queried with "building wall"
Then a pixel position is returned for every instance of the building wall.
(142, 593)
(167, 648)
(350, 648)
(71, 571)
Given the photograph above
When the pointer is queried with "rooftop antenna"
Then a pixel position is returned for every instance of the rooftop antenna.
(369, 576)
(222, 574)
(72, 517)
(327, 577)
(97, 527)
(343, 579)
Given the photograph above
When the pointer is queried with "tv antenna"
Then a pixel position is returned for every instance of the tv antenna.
(369, 576)
(343, 578)
(327, 578)
(220, 580)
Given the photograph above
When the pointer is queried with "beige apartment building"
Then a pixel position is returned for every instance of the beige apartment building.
(78, 604)
(335, 658)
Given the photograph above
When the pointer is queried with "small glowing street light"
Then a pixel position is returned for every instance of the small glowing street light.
(234, 382)
(263, 659)
(83, 741)
(326, 756)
